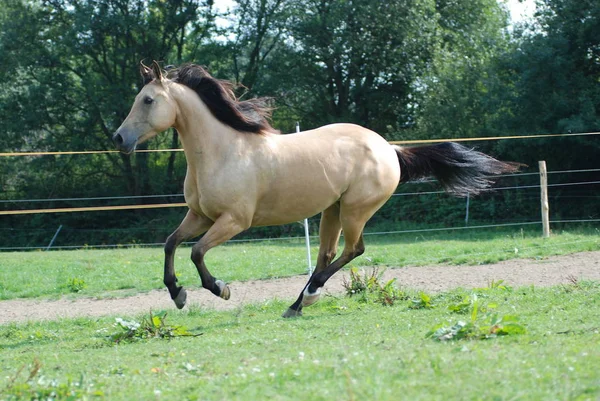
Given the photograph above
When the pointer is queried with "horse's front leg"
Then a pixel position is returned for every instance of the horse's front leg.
(223, 229)
(191, 226)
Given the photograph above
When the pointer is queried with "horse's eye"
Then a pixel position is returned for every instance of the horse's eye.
(148, 100)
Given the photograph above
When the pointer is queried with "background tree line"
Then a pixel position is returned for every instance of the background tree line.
(408, 70)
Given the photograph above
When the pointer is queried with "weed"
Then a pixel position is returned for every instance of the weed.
(152, 327)
(11, 331)
(76, 284)
(470, 304)
(368, 286)
(389, 293)
(422, 302)
(482, 325)
(490, 326)
(358, 283)
(499, 285)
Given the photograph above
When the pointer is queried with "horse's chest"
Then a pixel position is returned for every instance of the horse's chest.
(214, 195)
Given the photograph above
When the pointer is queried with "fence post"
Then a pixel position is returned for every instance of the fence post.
(306, 233)
(544, 199)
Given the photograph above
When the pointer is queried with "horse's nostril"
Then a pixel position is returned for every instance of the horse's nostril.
(118, 139)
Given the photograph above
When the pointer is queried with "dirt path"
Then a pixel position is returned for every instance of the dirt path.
(551, 271)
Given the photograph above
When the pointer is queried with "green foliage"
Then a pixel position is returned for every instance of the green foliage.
(488, 326)
(499, 285)
(463, 307)
(423, 301)
(453, 103)
(484, 323)
(76, 284)
(369, 288)
(154, 326)
(360, 283)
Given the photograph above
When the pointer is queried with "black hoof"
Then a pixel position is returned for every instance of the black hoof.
(292, 313)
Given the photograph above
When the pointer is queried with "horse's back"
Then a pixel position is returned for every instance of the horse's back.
(341, 131)
(351, 146)
(347, 141)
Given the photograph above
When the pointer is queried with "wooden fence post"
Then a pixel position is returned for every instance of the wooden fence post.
(544, 199)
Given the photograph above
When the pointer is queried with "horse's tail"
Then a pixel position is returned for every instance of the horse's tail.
(460, 170)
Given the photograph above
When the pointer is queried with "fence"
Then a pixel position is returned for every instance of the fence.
(54, 233)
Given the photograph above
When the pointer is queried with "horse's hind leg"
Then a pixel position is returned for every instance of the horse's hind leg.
(191, 226)
(223, 229)
(354, 246)
(330, 228)
(329, 236)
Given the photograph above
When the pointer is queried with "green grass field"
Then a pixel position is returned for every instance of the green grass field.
(120, 272)
(346, 348)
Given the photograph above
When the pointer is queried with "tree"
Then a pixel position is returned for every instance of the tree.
(357, 60)
(373, 62)
(558, 69)
(543, 80)
(553, 75)
(259, 27)
(69, 74)
(452, 96)
(77, 69)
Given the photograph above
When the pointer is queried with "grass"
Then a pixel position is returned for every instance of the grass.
(345, 349)
(121, 272)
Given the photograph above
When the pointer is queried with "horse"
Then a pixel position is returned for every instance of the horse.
(243, 173)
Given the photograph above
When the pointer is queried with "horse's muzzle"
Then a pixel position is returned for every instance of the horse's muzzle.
(122, 144)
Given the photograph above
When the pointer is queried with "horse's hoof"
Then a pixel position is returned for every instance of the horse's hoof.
(309, 299)
(225, 292)
(292, 313)
(180, 298)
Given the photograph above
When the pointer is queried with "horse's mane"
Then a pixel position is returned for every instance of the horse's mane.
(243, 115)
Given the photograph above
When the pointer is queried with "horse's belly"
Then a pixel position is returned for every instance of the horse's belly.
(290, 210)
(268, 219)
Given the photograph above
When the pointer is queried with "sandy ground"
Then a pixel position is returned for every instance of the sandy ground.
(522, 272)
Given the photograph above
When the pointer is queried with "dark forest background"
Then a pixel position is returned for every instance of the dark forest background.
(406, 69)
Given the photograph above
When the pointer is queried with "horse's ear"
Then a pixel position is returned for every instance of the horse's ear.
(146, 72)
(158, 75)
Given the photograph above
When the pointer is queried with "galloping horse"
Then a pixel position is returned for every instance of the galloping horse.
(242, 173)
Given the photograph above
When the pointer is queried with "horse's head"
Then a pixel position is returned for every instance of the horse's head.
(153, 111)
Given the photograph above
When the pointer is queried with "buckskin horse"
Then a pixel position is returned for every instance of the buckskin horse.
(242, 173)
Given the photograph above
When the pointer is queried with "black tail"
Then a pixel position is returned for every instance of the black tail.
(460, 170)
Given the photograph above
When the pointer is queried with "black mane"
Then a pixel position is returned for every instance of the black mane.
(246, 116)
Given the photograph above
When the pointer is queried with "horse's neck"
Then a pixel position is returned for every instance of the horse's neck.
(205, 140)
